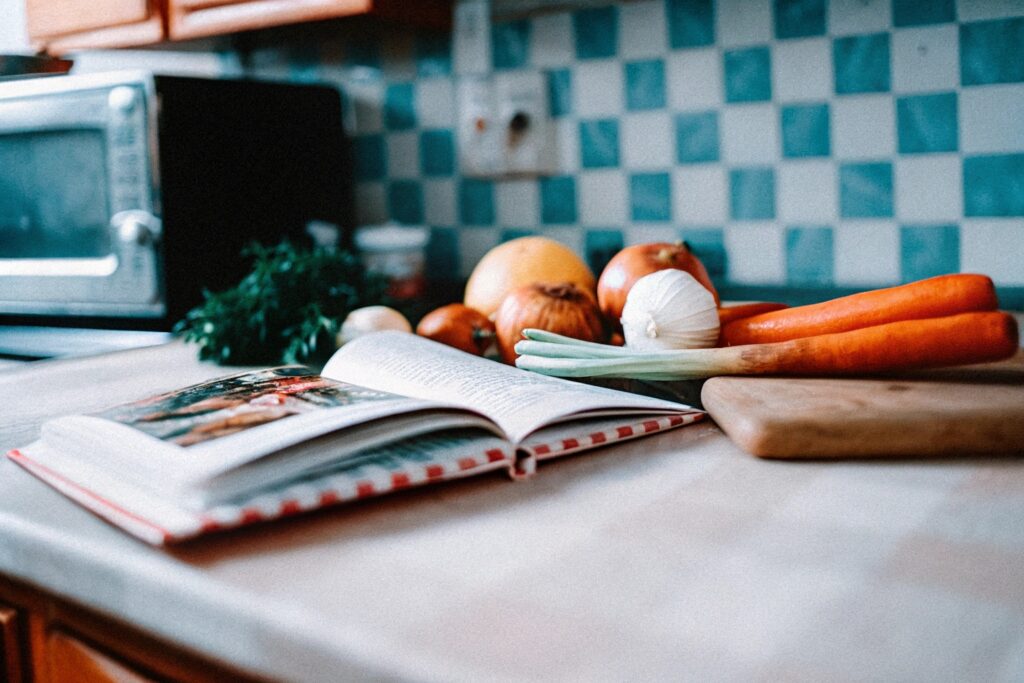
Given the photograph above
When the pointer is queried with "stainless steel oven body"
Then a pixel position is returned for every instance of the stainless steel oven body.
(80, 232)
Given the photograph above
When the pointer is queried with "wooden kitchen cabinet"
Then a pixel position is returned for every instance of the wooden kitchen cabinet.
(46, 639)
(202, 18)
(60, 26)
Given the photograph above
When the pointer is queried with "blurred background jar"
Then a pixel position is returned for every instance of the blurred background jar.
(398, 252)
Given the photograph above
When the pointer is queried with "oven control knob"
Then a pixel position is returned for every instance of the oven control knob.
(136, 227)
(122, 99)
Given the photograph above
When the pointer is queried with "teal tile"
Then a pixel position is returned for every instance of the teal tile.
(405, 201)
(707, 244)
(443, 253)
(437, 152)
(994, 185)
(304, 63)
(510, 44)
(399, 107)
(928, 250)
(560, 92)
(752, 194)
(691, 23)
(865, 190)
(599, 143)
(433, 53)
(645, 85)
(370, 158)
(805, 131)
(861, 63)
(601, 246)
(509, 234)
(362, 51)
(596, 32)
(927, 123)
(922, 12)
(748, 75)
(697, 137)
(476, 202)
(809, 255)
(558, 200)
(799, 18)
(991, 52)
(650, 197)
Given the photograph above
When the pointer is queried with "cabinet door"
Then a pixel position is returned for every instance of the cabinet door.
(12, 647)
(62, 25)
(70, 659)
(200, 18)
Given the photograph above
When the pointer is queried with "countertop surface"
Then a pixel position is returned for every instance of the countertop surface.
(677, 556)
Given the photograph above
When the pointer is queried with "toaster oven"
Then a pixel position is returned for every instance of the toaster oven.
(124, 196)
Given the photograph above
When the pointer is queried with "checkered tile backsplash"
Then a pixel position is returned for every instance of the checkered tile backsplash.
(804, 143)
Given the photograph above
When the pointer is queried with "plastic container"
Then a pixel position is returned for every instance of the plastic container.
(397, 252)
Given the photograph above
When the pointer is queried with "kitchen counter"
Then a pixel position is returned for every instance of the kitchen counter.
(676, 556)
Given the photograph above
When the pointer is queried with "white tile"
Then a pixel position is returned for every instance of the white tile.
(694, 79)
(473, 244)
(992, 119)
(169, 62)
(802, 70)
(551, 40)
(926, 58)
(368, 104)
(642, 31)
(863, 127)
(439, 202)
(403, 155)
(567, 145)
(847, 17)
(750, 134)
(700, 194)
(650, 232)
(573, 237)
(755, 253)
(929, 187)
(435, 102)
(371, 204)
(973, 10)
(993, 246)
(807, 192)
(603, 198)
(518, 204)
(867, 253)
(647, 140)
(744, 22)
(597, 88)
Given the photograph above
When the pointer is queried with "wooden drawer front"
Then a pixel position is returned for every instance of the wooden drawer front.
(59, 17)
(12, 646)
(70, 659)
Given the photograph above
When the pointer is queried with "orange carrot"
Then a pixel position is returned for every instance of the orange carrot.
(911, 344)
(932, 298)
(726, 314)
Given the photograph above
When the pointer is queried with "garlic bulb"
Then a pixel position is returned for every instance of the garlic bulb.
(669, 309)
(371, 319)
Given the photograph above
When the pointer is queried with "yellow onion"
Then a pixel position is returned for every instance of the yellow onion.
(460, 326)
(561, 308)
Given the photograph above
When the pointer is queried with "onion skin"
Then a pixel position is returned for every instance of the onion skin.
(633, 262)
(459, 326)
(560, 308)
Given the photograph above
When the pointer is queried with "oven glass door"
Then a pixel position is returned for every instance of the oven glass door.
(54, 201)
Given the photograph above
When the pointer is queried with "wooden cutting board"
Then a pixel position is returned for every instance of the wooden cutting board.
(956, 411)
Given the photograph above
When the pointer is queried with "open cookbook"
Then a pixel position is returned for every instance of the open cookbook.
(389, 411)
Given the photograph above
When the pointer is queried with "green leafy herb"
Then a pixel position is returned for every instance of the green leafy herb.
(288, 309)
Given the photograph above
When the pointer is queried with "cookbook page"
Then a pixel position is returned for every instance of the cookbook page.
(519, 402)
